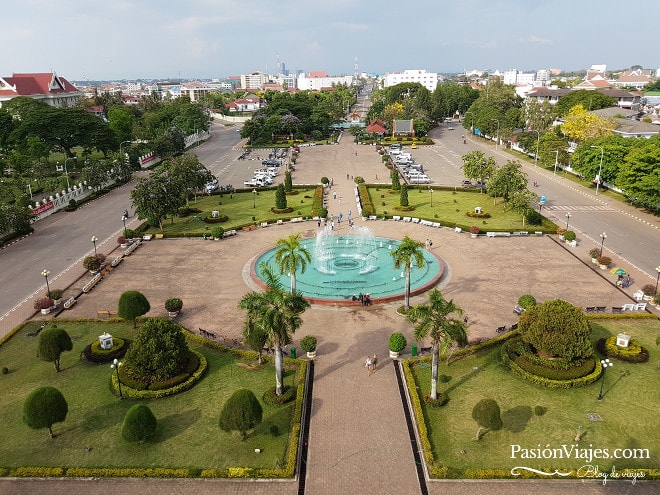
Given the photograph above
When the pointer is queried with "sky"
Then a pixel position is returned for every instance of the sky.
(202, 39)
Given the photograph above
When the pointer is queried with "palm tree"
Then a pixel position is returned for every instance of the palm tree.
(276, 313)
(409, 251)
(434, 320)
(290, 256)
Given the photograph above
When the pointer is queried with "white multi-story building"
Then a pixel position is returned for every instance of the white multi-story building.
(318, 80)
(427, 79)
(254, 80)
(518, 78)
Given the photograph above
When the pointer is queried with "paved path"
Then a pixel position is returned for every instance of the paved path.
(358, 437)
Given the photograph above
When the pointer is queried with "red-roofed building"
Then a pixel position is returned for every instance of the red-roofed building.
(47, 87)
(376, 126)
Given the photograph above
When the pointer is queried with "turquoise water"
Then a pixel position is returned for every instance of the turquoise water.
(354, 264)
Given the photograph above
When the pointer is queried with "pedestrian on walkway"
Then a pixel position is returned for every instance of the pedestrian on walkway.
(374, 361)
(319, 222)
(465, 319)
(334, 195)
(369, 365)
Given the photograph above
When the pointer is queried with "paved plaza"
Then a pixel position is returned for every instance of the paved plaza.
(358, 440)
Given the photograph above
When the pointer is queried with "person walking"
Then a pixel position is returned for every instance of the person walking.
(369, 365)
(374, 361)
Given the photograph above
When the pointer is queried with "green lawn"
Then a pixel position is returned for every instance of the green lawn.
(188, 434)
(450, 208)
(242, 207)
(628, 410)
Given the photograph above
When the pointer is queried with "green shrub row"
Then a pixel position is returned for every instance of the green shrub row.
(272, 399)
(367, 206)
(518, 348)
(317, 203)
(620, 316)
(483, 474)
(128, 473)
(134, 393)
(634, 353)
(418, 412)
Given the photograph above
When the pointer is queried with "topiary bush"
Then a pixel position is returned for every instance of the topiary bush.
(308, 343)
(397, 342)
(241, 412)
(634, 353)
(539, 410)
(272, 399)
(487, 415)
(526, 301)
(139, 424)
(131, 305)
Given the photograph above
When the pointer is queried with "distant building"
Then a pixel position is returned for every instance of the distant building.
(319, 80)
(427, 79)
(48, 87)
(255, 80)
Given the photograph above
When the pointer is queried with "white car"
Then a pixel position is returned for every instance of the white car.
(420, 179)
(212, 186)
(264, 178)
(254, 182)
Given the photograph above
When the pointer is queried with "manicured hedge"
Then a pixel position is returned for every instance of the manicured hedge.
(634, 353)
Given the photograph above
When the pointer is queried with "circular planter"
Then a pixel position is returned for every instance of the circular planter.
(123, 245)
(602, 267)
(394, 354)
(45, 311)
(311, 354)
(474, 236)
(594, 260)
(647, 298)
(172, 314)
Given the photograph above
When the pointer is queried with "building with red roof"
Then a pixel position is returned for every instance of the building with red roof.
(48, 87)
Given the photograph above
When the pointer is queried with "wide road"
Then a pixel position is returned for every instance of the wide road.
(630, 233)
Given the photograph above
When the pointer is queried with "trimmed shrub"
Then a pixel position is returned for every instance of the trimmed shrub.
(94, 262)
(487, 414)
(397, 342)
(308, 343)
(634, 353)
(526, 301)
(173, 304)
(539, 410)
(241, 412)
(272, 399)
(139, 424)
(131, 305)
(43, 408)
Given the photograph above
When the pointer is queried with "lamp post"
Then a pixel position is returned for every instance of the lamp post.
(657, 269)
(568, 217)
(66, 172)
(123, 219)
(498, 133)
(606, 364)
(45, 273)
(254, 198)
(115, 366)
(431, 195)
(538, 140)
(94, 239)
(603, 236)
(600, 169)
(556, 160)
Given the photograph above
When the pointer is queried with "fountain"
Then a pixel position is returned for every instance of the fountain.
(346, 265)
(355, 252)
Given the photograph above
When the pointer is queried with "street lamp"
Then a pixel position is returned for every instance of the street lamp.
(45, 273)
(603, 236)
(66, 172)
(556, 160)
(431, 195)
(600, 169)
(115, 366)
(498, 133)
(606, 364)
(254, 198)
(657, 269)
(568, 217)
(538, 140)
(94, 239)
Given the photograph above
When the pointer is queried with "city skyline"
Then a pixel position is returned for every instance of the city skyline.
(205, 39)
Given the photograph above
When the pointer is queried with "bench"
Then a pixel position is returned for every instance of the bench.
(229, 233)
(147, 237)
(206, 334)
(518, 310)
(501, 329)
(414, 220)
(600, 309)
(514, 327)
(296, 220)
(106, 312)
(396, 218)
(498, 234)
(617, 309)
(590, 309)
(160, 236)
(89, 285)
(69, 302)
(406, 219)
(372, 217)
(640, 307)
(131, 248)
(279, 222)
(538, 233)
(117, 260)
(436, 225)
(264, 224)
(458, 230)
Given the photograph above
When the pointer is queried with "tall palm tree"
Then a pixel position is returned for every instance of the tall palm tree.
(434, 319)
(409, 251)
(290, 256)
(276, 313)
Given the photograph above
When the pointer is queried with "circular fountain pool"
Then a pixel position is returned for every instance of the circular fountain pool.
(347, 265)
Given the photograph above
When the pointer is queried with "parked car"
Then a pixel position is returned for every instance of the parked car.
(254, 182)
(420, 179)
(467, 183)
(212, 186)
